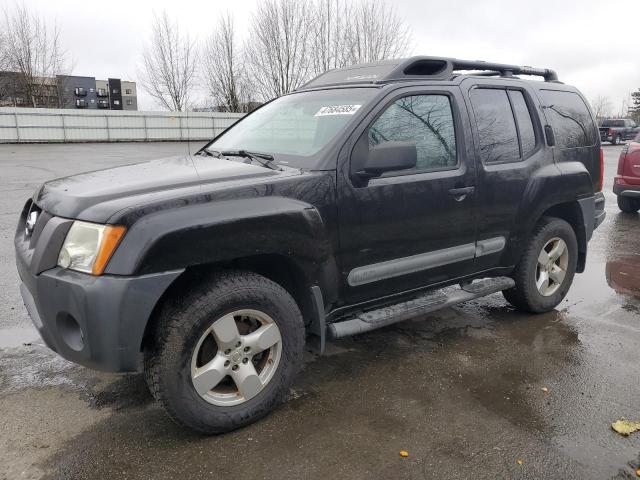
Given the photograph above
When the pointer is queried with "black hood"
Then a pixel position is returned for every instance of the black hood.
(95, 196)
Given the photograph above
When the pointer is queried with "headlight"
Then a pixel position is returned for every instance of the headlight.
(89, 246)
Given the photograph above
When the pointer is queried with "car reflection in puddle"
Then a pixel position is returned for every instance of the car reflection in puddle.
(623, 275)
(622, 270)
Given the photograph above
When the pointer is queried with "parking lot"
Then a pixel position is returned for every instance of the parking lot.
(476, 391)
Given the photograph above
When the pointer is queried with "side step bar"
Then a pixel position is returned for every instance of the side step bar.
(428, 303)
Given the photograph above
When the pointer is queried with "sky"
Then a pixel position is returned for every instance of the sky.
(588, 44)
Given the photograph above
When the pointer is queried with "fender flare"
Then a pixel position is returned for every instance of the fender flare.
(227, 230)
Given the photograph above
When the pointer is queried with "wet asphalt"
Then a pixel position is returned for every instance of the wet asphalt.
(476, 391)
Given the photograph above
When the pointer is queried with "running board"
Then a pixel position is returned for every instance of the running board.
(428, 303)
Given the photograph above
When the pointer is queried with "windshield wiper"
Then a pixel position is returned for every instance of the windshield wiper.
(263, 159)
(207, 153)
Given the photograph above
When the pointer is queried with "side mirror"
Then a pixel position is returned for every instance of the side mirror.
(389, 156)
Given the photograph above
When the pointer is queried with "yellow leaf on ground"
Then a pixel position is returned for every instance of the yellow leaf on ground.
(519, 462)
(545, 389)
(404, 453)
(625, 427)
(638, 472)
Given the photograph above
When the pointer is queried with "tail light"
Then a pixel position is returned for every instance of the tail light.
(621, 160)
(601, 179)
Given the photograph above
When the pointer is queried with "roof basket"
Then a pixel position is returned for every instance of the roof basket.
(434, 68)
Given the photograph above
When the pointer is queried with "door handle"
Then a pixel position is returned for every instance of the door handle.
(461, 193)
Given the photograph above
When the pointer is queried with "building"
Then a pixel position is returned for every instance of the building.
(68, 91)
(129, 95)
(42, 92)
(110, 94)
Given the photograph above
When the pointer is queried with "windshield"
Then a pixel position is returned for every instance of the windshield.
(294, 128)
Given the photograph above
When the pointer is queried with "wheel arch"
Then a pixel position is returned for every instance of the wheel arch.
(278, 268)
(572, 213)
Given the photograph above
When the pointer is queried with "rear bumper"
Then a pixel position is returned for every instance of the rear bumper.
(593, 213)
(623, 189)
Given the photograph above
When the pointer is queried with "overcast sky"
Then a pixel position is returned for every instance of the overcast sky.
(588, 43)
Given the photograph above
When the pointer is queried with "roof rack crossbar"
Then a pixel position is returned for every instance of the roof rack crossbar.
(503, 69)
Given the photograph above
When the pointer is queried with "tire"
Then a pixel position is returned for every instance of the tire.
(526, 295)
(175, 359)
(628, 205)
(615, 140)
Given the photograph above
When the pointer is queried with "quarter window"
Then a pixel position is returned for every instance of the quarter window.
(497, 133)
(571, 121)
(426, 120)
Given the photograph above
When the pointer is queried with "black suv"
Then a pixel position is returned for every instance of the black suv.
(371, 195)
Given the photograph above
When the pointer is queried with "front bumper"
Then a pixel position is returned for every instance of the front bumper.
(98, 322)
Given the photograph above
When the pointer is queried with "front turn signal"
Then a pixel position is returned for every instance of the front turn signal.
(111, 238)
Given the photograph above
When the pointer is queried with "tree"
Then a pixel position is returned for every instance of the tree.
(634, 108)
(601, 107)
(331, 35)
(279, 47)
(3, 51)
(225, 76)
(377, 33)
(33, 51)
(169, 65)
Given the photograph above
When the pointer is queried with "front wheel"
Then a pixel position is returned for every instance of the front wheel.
(546, 269)
(225, 354)
(615, 140)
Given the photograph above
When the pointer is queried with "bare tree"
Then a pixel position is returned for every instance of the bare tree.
(33, 51)
(279, 46)
(377, 33)
(331, 35)
(626, 104)
(169, 64)
(225, 76)
(601, 106)
(3, 51)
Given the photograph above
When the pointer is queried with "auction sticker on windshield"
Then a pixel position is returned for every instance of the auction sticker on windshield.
(337, 110)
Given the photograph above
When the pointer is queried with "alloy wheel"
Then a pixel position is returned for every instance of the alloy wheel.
(551, 269)
(236, 357)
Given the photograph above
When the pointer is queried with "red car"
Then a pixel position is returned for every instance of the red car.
(626, 184)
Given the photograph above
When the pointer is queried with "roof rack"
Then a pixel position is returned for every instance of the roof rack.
(503, 69)
(414, 68)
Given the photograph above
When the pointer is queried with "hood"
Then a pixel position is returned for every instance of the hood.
(79, 196)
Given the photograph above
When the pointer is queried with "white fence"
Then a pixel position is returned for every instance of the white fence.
(26, 125)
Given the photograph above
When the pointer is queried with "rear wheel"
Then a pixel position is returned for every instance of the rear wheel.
(225, 355)
(629, 205)
(546, 269)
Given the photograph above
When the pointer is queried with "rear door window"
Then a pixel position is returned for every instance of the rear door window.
(496, 126)
(570, 118)
(526, 131)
